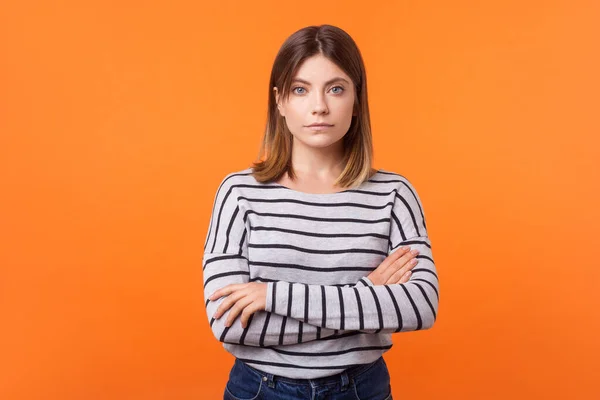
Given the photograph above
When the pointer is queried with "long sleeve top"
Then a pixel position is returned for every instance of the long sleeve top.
(314, 251)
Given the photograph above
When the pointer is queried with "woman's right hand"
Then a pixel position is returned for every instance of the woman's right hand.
(395, 268)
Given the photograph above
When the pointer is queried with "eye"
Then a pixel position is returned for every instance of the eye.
(301, 88)
(297, 87)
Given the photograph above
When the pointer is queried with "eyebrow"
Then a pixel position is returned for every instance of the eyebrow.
(338, 78)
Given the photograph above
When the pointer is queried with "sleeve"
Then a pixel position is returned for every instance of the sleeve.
(225, 262)
(373, 308)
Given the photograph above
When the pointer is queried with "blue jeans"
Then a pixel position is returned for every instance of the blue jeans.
(363, 382)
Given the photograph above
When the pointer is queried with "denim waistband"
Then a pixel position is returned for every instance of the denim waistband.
(346, 374)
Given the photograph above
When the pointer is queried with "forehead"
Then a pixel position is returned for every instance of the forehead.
(319, 69)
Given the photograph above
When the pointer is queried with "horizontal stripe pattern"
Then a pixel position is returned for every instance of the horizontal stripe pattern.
(314, 252)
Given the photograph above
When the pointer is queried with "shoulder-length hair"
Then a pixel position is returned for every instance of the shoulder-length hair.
(275, 154)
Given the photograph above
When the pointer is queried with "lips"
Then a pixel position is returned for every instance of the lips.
(320, 124)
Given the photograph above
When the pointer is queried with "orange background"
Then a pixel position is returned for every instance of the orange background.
(119, 119)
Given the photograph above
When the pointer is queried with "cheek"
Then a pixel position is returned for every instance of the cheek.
(349, 106)
(342, 107)
(294, 116)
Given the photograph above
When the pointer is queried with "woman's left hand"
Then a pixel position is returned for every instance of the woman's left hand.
(246, 298)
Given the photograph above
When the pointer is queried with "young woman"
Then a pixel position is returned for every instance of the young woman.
(312, 248)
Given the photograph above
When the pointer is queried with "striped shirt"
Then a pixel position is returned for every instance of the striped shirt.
(314, 252)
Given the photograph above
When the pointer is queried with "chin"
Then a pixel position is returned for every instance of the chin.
(321, 140)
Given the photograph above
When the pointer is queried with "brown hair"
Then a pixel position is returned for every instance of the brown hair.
(275, 153)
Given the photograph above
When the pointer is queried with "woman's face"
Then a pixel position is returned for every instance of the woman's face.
(320, 93)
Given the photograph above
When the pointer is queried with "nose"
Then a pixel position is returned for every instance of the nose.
(320, 105)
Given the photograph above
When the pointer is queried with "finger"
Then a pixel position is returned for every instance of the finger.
(224, 291)
(248, 311)
(403, 279)
(236, 309)
(405, 259)
(228, 302)
(397, 264)
(398, 275)
(406, 277)
(395, 277)
(391, 259)
(399, 253)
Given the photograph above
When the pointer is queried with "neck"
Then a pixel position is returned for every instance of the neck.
(321, 162)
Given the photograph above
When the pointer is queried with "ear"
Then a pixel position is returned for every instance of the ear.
(279, 107)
